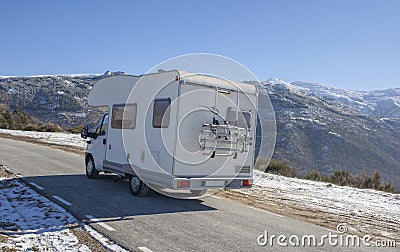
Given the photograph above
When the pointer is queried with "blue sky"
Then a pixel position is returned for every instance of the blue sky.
(346, 43)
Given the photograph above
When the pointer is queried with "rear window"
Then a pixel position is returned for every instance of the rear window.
(161, 113)
(124, 116)
(243, 117)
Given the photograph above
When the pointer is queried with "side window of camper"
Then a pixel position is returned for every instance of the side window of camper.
(161, 113)
(104, 125)
(243, 117)
(124, 116)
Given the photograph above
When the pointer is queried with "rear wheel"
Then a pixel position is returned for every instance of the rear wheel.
(137, 187)
(91, 171)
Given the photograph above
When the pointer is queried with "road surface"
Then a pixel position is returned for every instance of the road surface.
(153, 223)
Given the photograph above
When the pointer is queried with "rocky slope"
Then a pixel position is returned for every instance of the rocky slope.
(61, 99)
(326, 135)
(316, 127)
(381, 103)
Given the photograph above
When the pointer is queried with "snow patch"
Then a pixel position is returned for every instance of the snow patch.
(335, 134)
(32, 222)
(12, 91)
(67, 139)
(339, 200)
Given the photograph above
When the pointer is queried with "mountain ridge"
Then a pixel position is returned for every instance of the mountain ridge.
(381, 102)
(314, 130)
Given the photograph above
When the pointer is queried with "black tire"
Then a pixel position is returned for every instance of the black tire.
(91, 171)
(137, 187)
(198, 193)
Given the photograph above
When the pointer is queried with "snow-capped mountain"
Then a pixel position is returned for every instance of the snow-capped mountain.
(381, 103)
(321, 133)
(318, 127)
(60, 99)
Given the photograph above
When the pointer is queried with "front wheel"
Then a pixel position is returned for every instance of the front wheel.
(137, 187)
(91, 171)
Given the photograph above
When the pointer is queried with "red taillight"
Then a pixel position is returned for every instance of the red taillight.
(246, 182)
(183, 184)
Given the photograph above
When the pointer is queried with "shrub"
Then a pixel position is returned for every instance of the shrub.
(76, 130)
(344, 178)
(313, 175)
(30, 127)
(20, 120)
(280, 168)
(341, 178)
(49, 127)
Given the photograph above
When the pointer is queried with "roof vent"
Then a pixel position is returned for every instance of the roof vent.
(161, 71)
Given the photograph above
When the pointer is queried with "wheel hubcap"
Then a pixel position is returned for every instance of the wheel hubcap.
(90, 166)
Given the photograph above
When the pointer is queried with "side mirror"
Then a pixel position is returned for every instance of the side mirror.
(84, 133)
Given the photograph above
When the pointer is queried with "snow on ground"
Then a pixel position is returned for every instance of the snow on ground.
(333, 198)
(32, 222)
(374, 208)
(68, 139)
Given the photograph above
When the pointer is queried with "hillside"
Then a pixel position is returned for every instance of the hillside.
(380, 103)
(20, 120)
(325, 135)
(58, 99)
(315, 128)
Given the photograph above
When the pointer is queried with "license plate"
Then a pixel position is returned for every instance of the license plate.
(215, 183)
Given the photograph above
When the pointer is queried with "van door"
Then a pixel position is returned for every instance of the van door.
(123, 117)
(98, 145)
(197, 108)
(213, 132)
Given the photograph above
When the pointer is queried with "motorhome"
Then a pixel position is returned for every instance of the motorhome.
(173, 130)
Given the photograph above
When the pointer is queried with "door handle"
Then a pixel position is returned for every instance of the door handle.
(104, 141)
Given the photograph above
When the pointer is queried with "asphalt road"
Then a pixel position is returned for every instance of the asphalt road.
(156, 222)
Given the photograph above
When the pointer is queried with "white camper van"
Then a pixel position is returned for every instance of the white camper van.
(173, 130)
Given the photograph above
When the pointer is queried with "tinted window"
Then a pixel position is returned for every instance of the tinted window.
(124, 116)
(101, 126)
(161, 113)
(104, 125)
(98, 126)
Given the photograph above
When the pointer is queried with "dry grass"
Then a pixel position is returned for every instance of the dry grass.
(86, 239)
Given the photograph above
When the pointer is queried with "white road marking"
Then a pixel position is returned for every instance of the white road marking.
(265, 211)
(62, 200)
(216, 197)
(36, 185)
(144, 249)
(329, 229)
(97, 221)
